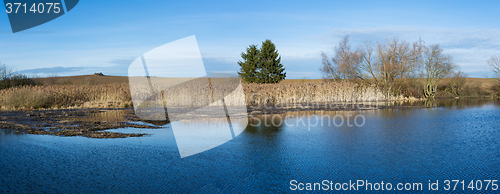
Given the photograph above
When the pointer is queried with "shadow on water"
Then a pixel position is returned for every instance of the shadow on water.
(5, 133)
(466, 103)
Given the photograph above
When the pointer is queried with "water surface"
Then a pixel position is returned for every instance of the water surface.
(458, 141)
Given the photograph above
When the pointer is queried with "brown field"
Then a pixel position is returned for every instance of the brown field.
(92, 91)
(83, 80)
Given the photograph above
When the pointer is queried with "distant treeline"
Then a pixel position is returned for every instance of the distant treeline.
(9, 79)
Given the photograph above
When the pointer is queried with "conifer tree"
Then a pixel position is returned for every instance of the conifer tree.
(262, 65)
(248, 68)
(270, 69)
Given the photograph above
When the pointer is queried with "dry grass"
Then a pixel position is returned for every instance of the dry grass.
(289, 93)
(113, 91)
(471, 88)
(82, 80)
(197, 93)
(65, 96)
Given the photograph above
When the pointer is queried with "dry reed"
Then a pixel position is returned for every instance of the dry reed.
(65, 96)
(307, 93)
(118, 95)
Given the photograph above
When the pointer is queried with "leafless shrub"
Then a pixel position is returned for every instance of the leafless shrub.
(456, 84)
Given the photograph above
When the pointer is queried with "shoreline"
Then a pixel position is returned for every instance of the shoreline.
(92, 122)
(114, 92)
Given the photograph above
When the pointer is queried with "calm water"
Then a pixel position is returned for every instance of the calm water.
(460, 141)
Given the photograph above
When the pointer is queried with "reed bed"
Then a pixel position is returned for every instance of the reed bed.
(119, 95)
(313, 93)
(183, 93)
(65, 96)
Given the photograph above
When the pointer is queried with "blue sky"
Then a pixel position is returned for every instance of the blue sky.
(105, 36)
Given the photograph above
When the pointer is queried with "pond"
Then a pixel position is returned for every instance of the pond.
(456, 141)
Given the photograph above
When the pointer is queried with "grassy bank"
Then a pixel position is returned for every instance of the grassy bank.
(113, 92)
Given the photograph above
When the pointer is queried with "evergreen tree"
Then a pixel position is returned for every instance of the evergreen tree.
(248, 68)
(262, 66)
(270, 69)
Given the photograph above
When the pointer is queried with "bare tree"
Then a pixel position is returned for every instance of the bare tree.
(393, 65)
(368, 60)
(345, 63)
(436, 65)
(8, 78)
(494, 63)
(394, 62)
(5, 73)
(328, 70)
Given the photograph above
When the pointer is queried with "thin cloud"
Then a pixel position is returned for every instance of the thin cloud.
(122, 61)
(52, 70)
(471, 48)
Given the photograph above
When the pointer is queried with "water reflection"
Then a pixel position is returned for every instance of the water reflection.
(455, 103)
(305, 119)
(264, 124)
(5, 133)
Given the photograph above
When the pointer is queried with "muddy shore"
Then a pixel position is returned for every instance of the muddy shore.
(71, 122)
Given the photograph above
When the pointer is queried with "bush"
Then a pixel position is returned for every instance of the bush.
(9, 80)
(412, 88)
(496, 90)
